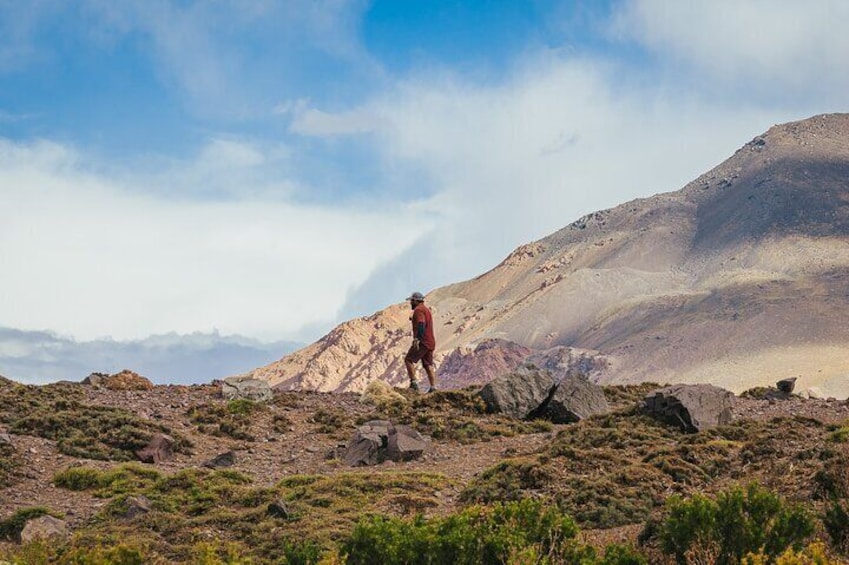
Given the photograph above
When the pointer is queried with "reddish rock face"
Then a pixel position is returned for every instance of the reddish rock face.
(490, 359)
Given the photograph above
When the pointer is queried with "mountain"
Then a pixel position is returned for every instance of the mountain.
(738, 279)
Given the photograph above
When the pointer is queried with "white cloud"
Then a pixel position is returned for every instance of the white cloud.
(769, 45)
(89, 255)
(313, 122)
(509, 163)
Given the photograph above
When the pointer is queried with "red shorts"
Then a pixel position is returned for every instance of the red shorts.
(420, 353)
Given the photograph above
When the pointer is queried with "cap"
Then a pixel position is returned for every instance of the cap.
(416, 296)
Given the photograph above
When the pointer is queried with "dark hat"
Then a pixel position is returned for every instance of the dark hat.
(417, 296)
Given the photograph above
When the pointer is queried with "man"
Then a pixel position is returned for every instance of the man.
(423, 342)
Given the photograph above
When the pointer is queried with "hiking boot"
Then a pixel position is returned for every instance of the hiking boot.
(431, 389)
(414, 386)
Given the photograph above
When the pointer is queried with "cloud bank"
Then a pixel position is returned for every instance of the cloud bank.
(41, 357)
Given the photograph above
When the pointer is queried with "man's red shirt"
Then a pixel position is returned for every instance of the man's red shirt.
(421, 314)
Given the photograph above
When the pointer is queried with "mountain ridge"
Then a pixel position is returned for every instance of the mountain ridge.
(736, 279)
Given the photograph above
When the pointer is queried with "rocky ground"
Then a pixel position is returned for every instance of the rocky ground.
(296, 434)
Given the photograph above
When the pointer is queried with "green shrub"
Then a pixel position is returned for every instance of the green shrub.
(128, 478)
(476, 535)
(836, 521)
(738, 521)
(616, 554)
(232, 419)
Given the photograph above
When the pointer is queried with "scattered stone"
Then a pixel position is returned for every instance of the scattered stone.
(816, 393)
(786, 385)
(378, 440)
(160, 448)
(278, 509)
(95, 379)
(137, 506)
(246, 388)
(574, 399)
(406, 444)
(44, 527)
(693, 407)
(5, 438)
(518, 394)
(226, 459)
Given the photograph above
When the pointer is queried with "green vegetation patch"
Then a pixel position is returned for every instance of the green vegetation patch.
(56, 412)
(11, 527)
(231, 419)
(129, 478)
(614, 470)
(194, 505)
(737, 522)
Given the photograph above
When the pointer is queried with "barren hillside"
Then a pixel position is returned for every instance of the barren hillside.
(737, 279)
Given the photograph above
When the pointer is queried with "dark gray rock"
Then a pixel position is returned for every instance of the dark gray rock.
(405, 444)
(159, 448)
(226, 459)
(137, 506)
(786, 385)
(693, 407)
(246, 388)
(44, 527)
(278, 509)
(518, 394)
(378, 441)
(574, 399)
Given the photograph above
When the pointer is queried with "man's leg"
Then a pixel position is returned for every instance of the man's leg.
(411, 372)
(431, 375)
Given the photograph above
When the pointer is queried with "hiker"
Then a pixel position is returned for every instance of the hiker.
(423, 342)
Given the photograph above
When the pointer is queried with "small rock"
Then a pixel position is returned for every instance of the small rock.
(226, 459)
(246, 388)
(278, 509)
(160, 448)
(786, 385)
(136, 506)
(95, 379)
(5, 438)
(44, 527)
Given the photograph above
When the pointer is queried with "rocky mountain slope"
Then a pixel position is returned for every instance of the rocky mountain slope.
(738, 279)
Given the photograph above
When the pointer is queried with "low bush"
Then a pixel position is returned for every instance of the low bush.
(232, 419)
(836, 521)
(476, 535)
(737, 522)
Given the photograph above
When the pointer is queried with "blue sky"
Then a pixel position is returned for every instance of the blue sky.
(269, 169)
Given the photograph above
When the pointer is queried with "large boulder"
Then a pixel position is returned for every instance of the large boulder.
(43, 528)
(246, 388)
(693, 407)
(160, 448)
(518, 394)
(379, 440)
(574, 399)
